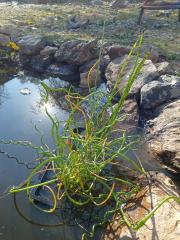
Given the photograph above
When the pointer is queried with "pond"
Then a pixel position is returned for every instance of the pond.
(21, 109)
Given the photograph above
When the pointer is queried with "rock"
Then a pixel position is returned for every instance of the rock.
(172, 67)
(31, 45)
(116, 51)
(40, 63)
(100, 66)
(119, 4)
(103, 65)
(154, 55)
(164, 225)
(163, 136)
(48, 50)
(129, 116)
(164, 67)
(66, 72)
(75, 23)
(90, 79)
(146, 75)
(77, 52)
(88, 65)
(4, 40)
(157, 92)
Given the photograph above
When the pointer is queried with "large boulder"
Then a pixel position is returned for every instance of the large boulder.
(31, 45)
(163, 135)
(147, 74)
(77, 52)
(164, 225)
(157, 92)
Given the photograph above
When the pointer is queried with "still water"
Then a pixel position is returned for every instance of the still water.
(21, 107)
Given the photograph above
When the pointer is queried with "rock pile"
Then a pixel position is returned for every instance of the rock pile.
(155, 92)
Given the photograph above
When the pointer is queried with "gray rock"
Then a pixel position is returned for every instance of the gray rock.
(116, 51)
(4, 40)
(164, 135)
(77, 52)
(165, 222)
(31, 45)
(103, 65)
(90, 75)
(147, 74)
(40, 63)
(163, 68)
(66, 72)
(157, 92)
(87, 66)
(90, 79)
(48, 50)
(154, 54)
(168, 67)
(128, 117)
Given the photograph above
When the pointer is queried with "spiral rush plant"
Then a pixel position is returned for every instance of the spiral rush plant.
(79, 162)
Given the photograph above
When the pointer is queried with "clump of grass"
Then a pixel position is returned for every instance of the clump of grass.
(79, 161)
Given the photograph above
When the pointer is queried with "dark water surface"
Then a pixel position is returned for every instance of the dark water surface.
(18, 114)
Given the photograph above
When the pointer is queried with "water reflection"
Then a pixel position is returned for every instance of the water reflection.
(17, 123)
(6, 75)
(3, 94)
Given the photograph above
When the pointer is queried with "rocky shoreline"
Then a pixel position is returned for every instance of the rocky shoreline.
(156, 91)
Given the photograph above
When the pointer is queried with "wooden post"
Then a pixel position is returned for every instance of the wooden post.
(140, 16)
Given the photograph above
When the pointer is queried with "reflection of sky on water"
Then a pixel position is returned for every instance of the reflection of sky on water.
(18, 115)
(19, 111)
